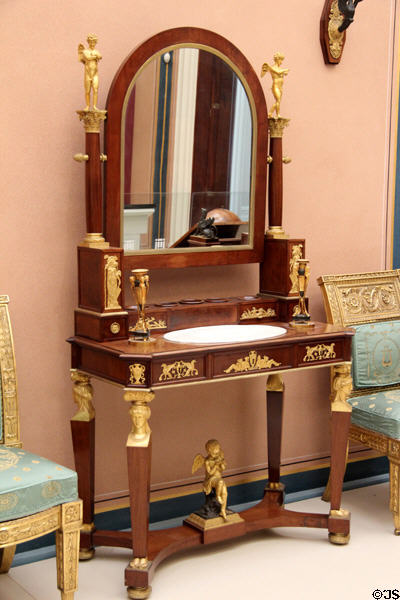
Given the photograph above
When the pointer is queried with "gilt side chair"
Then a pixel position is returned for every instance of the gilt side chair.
(370, 303)
(37, 496)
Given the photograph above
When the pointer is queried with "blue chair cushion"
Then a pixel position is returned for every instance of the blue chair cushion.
(30, 483)
(376, 354)
(379, 411)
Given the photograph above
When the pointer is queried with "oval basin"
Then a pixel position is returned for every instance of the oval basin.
(224, 334)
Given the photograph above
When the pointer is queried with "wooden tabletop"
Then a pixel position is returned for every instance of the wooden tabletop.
(160, 362)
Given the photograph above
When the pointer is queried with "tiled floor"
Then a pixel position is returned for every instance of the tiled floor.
(280, 563)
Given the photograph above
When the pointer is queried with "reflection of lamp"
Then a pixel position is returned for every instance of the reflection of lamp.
(226, 222)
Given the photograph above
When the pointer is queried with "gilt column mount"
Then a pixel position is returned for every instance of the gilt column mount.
(92, 118)
(276, 126)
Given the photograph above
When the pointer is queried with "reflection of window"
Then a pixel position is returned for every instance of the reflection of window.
(239, 197)
(161, 147)
(137, 226)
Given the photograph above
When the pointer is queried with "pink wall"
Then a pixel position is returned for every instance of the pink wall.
(336, 192)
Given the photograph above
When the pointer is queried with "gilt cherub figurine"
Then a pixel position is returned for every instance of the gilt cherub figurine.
(90, 58)
(214, 464)
(277, 74)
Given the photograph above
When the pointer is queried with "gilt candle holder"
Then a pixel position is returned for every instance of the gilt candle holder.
(139, 281)
(301, 316)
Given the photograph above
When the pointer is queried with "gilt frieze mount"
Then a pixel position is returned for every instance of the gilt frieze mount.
(319, 352)
(179, 369)
(257, 313)
(252, 362)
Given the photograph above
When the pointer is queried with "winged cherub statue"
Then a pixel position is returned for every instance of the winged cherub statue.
(277, 74)
(214, 464)
(90, 58)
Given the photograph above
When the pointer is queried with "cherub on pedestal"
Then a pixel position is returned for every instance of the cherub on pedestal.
(214, 486)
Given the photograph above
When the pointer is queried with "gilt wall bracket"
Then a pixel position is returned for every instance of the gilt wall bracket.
(337, 16)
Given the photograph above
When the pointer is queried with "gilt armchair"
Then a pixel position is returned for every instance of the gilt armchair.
(370, 303)
(37, 496)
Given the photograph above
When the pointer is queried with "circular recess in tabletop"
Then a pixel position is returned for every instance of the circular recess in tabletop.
(191, 301)
(167, 304)
(224, 334)
(216, 300)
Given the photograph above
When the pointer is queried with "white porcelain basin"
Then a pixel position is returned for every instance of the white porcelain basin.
(224, 334)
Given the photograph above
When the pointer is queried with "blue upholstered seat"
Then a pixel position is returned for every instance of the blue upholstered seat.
(30, 483)
(379, 411)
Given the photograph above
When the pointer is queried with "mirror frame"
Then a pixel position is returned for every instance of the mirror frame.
(113, 137)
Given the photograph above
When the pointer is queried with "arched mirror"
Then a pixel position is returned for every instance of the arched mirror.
(186, 140)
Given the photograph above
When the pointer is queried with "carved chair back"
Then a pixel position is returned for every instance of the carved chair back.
(361, 299)
(9, 418)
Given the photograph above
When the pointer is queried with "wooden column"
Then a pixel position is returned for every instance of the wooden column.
(92, 120)
(94, 200)
(275, 184)
(276, 127)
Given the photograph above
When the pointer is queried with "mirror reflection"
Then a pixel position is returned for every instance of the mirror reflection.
(186, 154)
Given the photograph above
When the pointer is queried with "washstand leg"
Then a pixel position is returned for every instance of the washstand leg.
(83, 440)
(275, 391)
(339, 519)
(139, 468)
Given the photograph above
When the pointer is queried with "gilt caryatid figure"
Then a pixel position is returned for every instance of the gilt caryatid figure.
(90, 58)
(277, 74)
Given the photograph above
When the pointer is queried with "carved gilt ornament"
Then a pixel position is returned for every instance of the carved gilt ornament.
(178, 370)
(153, 324)
(369, 438)
(8, 377)
(115, 328)
(112, 282)
(137, 374)
(342, 385)
(140, 412)
(252, 362)
(92, 119)
(297, 252)
(257, 313)
(83, 396)
(369, 299)
(319, 352)
(336, 37)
